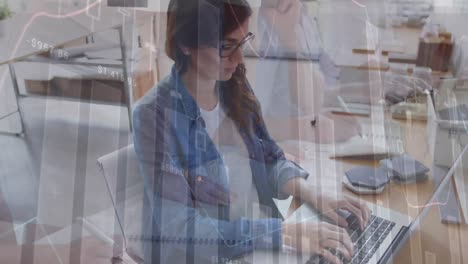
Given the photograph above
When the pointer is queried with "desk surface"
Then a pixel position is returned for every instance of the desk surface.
(435, 241)
(407, 36)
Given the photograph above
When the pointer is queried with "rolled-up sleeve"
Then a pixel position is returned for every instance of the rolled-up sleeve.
(279, 168)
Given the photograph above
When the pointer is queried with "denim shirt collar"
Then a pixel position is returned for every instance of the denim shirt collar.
(188, 102)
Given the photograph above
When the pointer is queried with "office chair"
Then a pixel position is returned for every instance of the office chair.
(125, 188)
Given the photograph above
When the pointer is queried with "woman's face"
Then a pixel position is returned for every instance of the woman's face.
(208, 63)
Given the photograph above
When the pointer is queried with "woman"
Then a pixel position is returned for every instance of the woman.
(210, 167)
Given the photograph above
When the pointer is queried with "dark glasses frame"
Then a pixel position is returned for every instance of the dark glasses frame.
(250, 36)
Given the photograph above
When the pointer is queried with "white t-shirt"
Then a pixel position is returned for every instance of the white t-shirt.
(244, 201)
(213, 118)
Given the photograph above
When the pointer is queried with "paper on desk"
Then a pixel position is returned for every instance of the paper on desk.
(304, 150)
(283, 206)
(354, 147)
(376, 140)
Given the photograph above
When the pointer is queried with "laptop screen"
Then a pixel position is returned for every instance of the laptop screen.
(448, 192)
(442, 150)
(438, 206)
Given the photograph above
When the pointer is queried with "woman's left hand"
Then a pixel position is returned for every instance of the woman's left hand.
(328, 203)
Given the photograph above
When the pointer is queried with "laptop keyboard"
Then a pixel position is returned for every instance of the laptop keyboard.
(366, 241)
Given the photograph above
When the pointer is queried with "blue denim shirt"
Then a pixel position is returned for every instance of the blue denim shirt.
(174, 150)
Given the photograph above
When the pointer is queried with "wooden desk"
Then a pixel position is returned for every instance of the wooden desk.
(435, 242)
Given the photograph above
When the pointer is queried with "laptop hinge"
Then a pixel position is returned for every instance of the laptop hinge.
(393, 248)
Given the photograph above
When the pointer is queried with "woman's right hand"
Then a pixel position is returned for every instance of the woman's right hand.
(316, 237)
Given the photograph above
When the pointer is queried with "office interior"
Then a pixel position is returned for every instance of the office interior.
(367, 81)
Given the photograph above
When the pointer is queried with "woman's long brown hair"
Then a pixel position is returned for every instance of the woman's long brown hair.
(184, 18)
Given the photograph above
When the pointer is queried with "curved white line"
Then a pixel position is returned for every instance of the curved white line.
(41, 14)
(359, 4)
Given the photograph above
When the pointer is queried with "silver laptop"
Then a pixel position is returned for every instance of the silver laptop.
(380, 241)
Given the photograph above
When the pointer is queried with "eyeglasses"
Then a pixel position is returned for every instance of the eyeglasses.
(226, 50)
